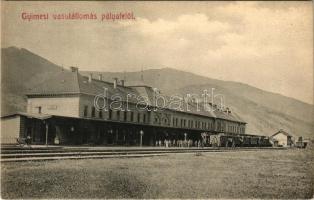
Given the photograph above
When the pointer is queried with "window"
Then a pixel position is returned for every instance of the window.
(85, 111)
(132, 116)
(110, 113)
(219, 126)
(39, 109)
(118, 114)
(138, 117)
(124, 115)
(144, 118)
(100, 114)
(93, 111)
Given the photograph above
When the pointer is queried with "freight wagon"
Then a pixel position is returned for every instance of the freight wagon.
(243, 140)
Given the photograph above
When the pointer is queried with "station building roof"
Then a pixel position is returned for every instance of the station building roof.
(72, 82)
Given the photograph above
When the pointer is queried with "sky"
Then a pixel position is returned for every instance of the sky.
(268, 45)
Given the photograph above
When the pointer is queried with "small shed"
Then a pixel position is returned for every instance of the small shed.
(282, 138)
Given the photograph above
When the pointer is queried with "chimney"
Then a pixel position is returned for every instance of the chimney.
(90, 76)
(122, 82)
(100, 77)
(74, 69)
(115, 82)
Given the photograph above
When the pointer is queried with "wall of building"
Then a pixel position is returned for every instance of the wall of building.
(174, 119)
(234, 127)
(242, 128)
(227, 126)
(281, 138)
(164, 118)
(10, 129)
(83, 106)
(88, 109)
(54, 105)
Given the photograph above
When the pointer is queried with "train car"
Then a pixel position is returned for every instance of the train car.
(233, 140)
(223, 140)
(246, 141)
(254, 141)
(264, 142)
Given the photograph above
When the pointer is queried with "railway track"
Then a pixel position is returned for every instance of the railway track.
(15, 154)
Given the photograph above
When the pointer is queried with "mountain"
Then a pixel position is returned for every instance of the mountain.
(20, 71)
(170, 80)
(260, 112)
(265, 112)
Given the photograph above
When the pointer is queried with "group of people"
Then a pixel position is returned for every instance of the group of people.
(179, 143)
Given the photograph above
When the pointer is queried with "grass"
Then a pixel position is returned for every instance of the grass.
(251, 174)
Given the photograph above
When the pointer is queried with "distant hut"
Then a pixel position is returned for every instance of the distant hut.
(301, 143)
(282, 139)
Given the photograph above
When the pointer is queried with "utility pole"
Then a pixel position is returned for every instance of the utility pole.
(141, 139)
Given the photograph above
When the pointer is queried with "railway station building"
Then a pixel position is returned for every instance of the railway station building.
(72, 109)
